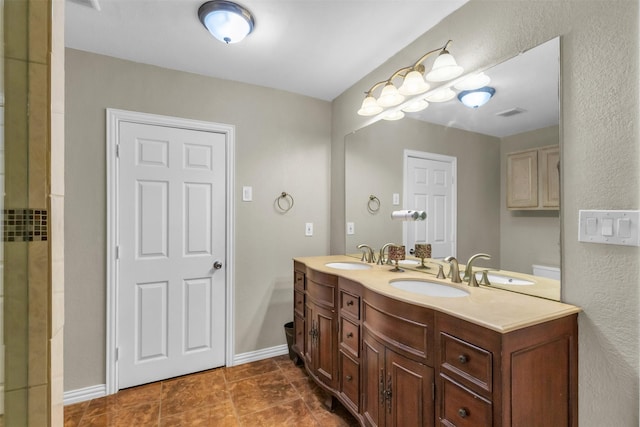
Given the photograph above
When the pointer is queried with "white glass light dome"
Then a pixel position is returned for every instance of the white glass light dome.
(226, 21)
(476, 98)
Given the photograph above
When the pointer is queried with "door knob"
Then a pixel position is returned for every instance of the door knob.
(217, 265)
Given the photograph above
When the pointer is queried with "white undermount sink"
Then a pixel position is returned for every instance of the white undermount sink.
(497, 279)
(348, 265)
(431, 289)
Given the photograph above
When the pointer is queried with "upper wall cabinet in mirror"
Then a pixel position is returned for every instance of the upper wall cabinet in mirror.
(450, 160)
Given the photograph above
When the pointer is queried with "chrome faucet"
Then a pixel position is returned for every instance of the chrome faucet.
(367, 255)
(381, 259)
(454, 270)
(469, 277)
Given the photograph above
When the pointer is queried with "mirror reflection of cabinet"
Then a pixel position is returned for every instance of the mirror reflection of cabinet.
(533, 179)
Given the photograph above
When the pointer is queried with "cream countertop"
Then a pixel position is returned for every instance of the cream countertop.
(496, 309)
(543, 287)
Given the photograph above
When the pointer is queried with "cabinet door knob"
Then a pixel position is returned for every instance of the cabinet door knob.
(463, 413)
(349, 334)
(350, 302)
(349, 378)
(463, 358)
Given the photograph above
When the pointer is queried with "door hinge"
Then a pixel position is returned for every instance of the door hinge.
(433, 391)
(117, 353)
(117, 252)
(117, 150)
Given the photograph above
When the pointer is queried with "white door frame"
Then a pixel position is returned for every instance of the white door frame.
(114, 118)
(454, 190)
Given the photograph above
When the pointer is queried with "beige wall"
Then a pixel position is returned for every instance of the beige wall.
(600, 165)
(540, 229)
(282, 144)
(374, 156)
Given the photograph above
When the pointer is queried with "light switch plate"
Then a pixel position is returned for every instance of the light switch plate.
(351, 228)
(247, 194)
(609, 227)
(308, 229)
(396, 199)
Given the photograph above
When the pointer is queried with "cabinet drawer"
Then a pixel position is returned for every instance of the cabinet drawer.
(350, 305)
(298, 281)
(321, 293)
(349, 336)
(471, 362)
(350, 381)
(298, 303)
(461, 407)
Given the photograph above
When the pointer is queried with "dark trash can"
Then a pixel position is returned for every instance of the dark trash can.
(288, 331)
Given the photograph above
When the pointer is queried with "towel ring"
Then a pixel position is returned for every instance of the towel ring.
(289, 202)
(373, 205)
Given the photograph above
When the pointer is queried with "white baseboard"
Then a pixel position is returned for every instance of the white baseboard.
(100, 390)
(265, 353)
(83, 394)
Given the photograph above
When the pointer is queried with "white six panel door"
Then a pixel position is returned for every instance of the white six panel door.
(171, 213)
(429, 187)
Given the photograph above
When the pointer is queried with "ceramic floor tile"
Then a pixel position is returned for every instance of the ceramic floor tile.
(73, 413)
(339, 418)
(292, 371)
(268, 393)
(248, 370)
(137, 395)
(289, 414)
(193, 391)
(101, 406)
(261, 392)
(221, 414)
(146, 414)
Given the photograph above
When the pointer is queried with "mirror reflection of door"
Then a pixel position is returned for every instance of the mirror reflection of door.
(430, 186)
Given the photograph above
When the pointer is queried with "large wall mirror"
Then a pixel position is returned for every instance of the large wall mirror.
(522, 115)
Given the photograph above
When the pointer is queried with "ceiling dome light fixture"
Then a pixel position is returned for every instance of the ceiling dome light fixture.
(227, 21)
(414, 82)
(476, 98)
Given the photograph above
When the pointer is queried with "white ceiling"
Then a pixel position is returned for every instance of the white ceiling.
(317, 48)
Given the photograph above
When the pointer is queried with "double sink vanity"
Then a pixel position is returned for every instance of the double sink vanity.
(410, 349)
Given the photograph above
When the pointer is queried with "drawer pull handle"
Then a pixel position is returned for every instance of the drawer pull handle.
(349, 378)
(463, 358)
(349, 334)
(463, 413)
(350, 302)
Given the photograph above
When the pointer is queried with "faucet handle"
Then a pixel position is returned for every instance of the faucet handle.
(485, 278)
(440, 274)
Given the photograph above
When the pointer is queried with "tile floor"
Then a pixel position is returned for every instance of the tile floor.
(272, 392)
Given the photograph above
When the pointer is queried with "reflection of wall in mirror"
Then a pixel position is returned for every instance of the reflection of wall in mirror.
(373, 165)
(527, 237)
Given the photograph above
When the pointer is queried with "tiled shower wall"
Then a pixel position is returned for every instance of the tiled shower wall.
(33, 215)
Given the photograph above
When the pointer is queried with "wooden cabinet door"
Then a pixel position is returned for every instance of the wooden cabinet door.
(309, 332)
(299, 334)
(326, 351)
(411, 402)
(550, 177)
(373, 379)
(522, 179)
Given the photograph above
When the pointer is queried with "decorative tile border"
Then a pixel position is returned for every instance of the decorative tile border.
(25, 225)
